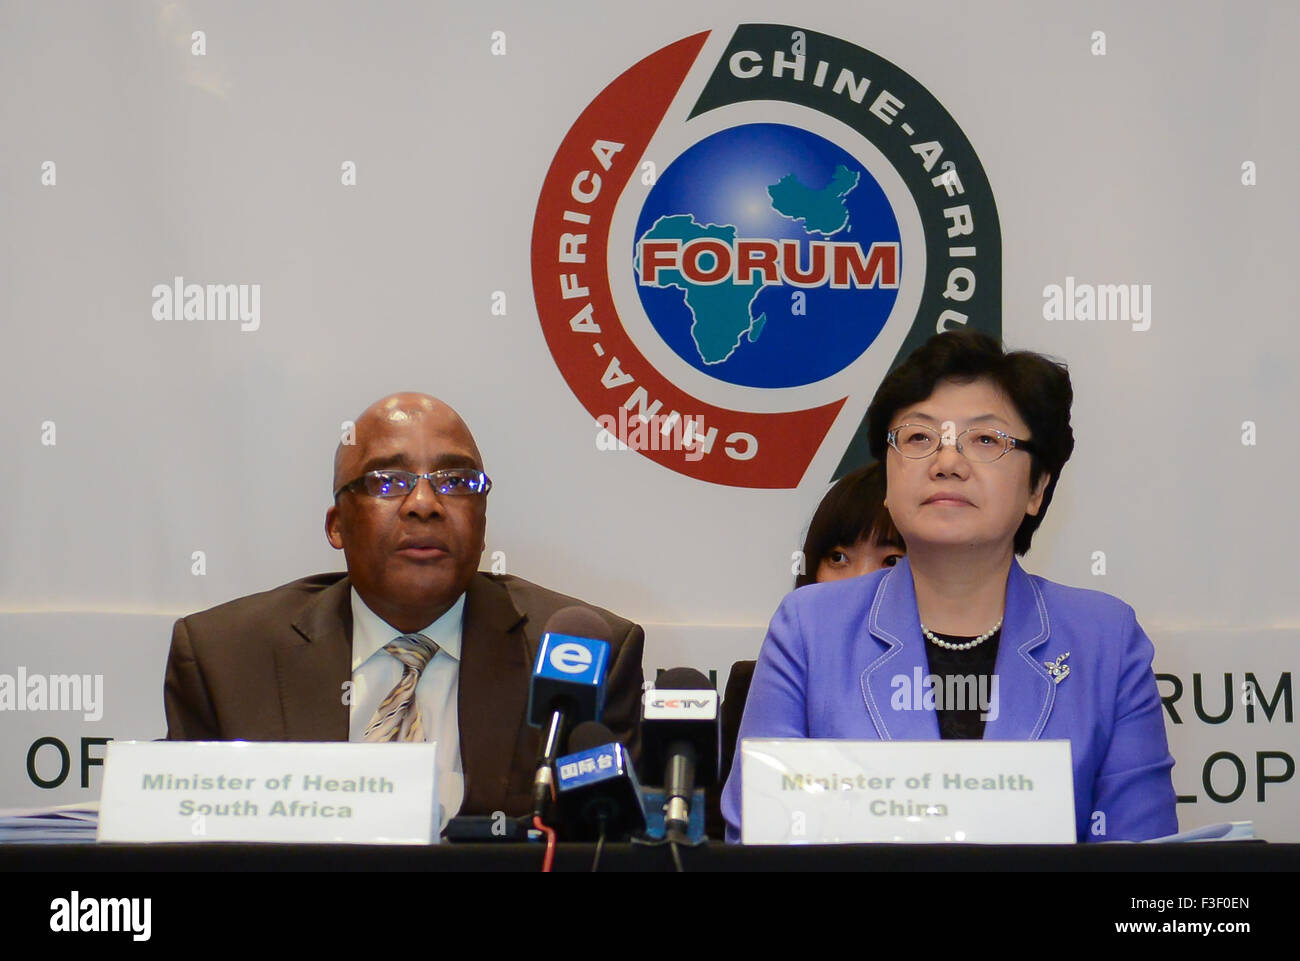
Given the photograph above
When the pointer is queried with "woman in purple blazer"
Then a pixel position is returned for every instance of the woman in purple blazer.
(973, 440)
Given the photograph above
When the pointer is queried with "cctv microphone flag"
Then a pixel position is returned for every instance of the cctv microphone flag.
(683, 712)
(680, 738)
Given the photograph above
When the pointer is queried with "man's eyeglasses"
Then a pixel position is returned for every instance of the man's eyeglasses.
(981, 444)
(399, 483)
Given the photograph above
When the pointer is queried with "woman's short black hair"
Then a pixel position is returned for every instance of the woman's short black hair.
(1037, 386)
(852, 510)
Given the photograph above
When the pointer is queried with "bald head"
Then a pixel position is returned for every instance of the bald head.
(398, 414)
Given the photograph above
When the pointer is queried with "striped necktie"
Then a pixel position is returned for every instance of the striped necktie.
(398, 716)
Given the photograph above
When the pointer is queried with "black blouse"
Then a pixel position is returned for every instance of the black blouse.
(972, 696)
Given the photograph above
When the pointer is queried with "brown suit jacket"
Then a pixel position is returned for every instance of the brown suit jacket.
(271, 667)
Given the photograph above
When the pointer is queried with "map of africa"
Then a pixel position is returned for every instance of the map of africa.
(721, 314)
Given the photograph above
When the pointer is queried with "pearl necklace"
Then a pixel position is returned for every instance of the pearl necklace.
(949, 646)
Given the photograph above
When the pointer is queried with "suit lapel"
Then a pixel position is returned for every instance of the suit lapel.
(493, 692)
(313, 667)
(1025, 690)
(896, 630)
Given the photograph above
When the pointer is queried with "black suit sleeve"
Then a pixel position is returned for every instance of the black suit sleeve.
(623, 691)
(185, 695)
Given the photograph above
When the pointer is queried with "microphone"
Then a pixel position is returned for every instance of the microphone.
(680, 736)
(567, 687)
(598, 791)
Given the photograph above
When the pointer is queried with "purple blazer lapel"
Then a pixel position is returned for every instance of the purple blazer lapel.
(1026, 691)
(893, 621)
(313, 665)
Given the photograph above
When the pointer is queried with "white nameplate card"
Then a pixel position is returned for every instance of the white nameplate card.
(814, 791)
(301, 792)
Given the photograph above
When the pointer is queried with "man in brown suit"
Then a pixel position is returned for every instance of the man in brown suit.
(292, 664)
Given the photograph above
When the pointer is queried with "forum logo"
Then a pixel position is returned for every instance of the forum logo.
(720, 239)
(767, 221)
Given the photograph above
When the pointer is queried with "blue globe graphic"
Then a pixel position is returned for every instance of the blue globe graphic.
(729, 186)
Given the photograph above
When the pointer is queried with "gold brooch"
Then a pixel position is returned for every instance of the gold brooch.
(1058, 669)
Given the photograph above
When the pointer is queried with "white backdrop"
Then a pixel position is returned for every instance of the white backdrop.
(133, 443)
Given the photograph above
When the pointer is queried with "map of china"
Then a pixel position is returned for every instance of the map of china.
(721, 314)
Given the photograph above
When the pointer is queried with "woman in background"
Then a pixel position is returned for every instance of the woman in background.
(851, 531)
